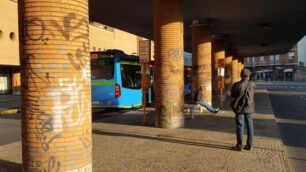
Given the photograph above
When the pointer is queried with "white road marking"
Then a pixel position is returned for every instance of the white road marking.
(291, 121)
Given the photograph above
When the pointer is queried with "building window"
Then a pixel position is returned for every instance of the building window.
(261, 60)
(276, 59)
(5, 81)
(272, 59)
(12, 36)
(291, 57)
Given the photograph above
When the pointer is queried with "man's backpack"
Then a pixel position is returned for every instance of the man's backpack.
(240, 102)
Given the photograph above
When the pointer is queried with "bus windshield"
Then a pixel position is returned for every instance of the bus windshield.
(102, 68)
(130, 74)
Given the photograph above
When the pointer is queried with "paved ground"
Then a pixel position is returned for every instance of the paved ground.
(289, 104)
(121, 143)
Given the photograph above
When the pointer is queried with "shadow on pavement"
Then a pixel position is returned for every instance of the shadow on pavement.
(263, 127)
(285, 106)
(160, 138)
(293, 134)
(10, 166)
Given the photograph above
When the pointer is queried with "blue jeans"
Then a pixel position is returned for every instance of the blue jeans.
(248, 118)
(207, 106)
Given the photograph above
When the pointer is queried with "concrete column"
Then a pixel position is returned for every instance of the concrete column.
(235, 73)
(201, 61)
(228, 74)
(218, 51)
(169, 63)
(16, 83)
(239, 69)
(56, 89)
(239, 66)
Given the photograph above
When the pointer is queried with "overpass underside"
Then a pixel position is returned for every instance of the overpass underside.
(55, 64)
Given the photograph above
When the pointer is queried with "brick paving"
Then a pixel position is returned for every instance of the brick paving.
(121, 143)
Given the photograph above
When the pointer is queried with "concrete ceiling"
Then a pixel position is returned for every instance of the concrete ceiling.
(241, 21)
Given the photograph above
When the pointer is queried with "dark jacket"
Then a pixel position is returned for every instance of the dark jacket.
(243, 103)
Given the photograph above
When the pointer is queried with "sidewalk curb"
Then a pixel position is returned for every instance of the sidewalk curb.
(9, 111)
(285, 154)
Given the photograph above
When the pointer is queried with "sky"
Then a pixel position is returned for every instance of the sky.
(302, 50)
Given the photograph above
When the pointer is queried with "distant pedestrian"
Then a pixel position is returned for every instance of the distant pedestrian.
(242, 93)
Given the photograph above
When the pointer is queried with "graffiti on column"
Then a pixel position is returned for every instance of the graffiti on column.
(62, 102)
(202, 71)
(175, 55)
(65, 31)
(53, 165)
(171, 94)
(86, 139)
(68, 100)
(45, 126)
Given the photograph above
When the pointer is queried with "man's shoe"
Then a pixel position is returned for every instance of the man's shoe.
(216, 110)
(249, 148)
(237, 148)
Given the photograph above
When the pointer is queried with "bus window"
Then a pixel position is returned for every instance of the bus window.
(102, 68)
(130, 75)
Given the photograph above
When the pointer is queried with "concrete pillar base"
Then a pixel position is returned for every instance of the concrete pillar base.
(170, 122)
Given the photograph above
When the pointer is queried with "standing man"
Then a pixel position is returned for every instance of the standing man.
(242, 93)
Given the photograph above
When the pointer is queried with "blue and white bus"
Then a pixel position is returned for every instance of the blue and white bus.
(116, 80)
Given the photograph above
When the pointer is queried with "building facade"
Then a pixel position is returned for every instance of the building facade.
(302, 52)
(9, 48)
(101, 37)
(278, 67)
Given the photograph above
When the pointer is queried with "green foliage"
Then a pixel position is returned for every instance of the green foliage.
(301, 64)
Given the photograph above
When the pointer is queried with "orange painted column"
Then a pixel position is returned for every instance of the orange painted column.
(235, 73)
(56, 86)
(16, 83)
(228, 74)
(239, 69)
(201, 61)
(218, 51)
(169, 63)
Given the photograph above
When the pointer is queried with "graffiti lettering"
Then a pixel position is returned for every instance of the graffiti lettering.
(204, 67)
(53, 165)
(176, 54)
(44, 128)
(86, 139)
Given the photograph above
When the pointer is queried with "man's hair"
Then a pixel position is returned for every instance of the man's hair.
(245, 73)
